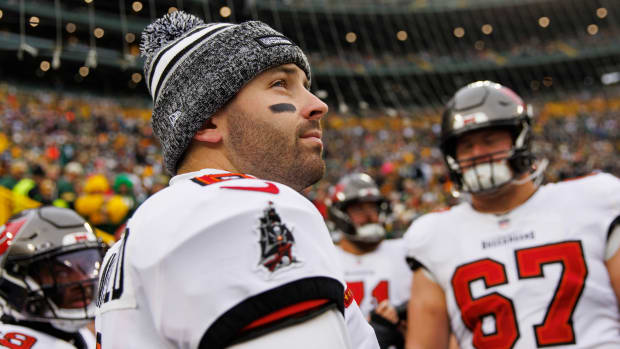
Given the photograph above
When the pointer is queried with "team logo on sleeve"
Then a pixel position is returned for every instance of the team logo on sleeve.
(276, 241)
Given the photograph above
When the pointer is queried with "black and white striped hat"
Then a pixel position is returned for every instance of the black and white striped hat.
(193, 69)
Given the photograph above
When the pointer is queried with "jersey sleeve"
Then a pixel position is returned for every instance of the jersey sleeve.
(604, 194)
(228, 258)
(598, 196)
(418, 240)
(361, 334)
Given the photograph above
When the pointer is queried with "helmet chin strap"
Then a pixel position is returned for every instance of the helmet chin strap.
(536, 175)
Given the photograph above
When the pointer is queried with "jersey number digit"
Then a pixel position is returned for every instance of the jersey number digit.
(379, 293)
(16, 340)
(473, 310)
(556, 329)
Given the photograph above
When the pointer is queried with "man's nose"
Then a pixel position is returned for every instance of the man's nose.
(314, 108)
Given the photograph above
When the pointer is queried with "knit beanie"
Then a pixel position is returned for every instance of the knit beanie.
(193, 69)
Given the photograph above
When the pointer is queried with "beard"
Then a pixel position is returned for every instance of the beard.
(257, 147)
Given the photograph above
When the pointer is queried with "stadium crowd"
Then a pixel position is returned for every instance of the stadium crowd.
(99, 156)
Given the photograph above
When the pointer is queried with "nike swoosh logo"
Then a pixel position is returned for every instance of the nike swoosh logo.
(270, 188)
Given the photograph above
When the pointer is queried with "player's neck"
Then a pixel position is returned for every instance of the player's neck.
(199, 156)
(357, 249)
(505, 199)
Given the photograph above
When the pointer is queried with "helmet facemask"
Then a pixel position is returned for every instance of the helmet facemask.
(60, 288)
(358, 189)
(49, 269)
(488, 172)
(370, 232)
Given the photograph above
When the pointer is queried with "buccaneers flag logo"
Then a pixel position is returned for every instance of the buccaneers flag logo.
(276, 241)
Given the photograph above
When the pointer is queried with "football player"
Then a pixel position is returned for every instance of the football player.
(49, 264)
(521, 265)
(374, 268)
(230, 255)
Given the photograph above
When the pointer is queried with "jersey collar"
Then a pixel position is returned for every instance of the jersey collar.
(189, 175)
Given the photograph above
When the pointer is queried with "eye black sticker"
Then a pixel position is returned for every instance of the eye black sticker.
(283, 108)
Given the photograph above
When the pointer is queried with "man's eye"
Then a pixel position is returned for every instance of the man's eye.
(279, 83)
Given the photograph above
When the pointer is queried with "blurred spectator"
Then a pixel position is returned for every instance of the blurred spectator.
(17, 170)
(31, 186)
(67, 183)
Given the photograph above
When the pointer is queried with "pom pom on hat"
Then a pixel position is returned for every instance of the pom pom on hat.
(165, 30)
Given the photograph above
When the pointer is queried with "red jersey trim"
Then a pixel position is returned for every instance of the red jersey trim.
(286, 312)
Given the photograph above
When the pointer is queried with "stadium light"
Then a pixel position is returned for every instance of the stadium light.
(34, 21)
(84, 71)
(136, 77)
(601, 12)
(225, 11)
(351, 37)
(130, 37)
(1, 14)
(592, 29)
(45, 65)
(136, 6)
(479, 45)
(70, 27)
(459, 32)
(88, 1)
(172, 9)
(98, 32)
(487, 29)
(401, 35)
(544, 22)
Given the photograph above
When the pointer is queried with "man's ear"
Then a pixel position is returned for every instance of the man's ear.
(210, 131)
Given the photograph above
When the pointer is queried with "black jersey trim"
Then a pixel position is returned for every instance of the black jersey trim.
(414, 264)
(615, 223)
(228, 327)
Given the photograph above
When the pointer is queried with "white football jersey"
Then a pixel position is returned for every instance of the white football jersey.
(378, 275)
(16, 336)
(533, 277)
(212, 256)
